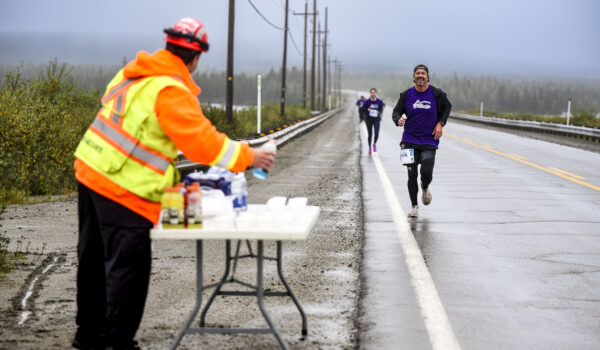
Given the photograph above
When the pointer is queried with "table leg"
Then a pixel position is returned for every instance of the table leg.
(260, 292)
(222, 282)
(249, 248)
(199, 287)
(289, 289)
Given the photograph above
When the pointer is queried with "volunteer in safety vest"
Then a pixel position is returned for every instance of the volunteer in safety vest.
(124, 161)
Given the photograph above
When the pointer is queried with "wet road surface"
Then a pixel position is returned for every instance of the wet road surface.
(511, 240)
(509, 249)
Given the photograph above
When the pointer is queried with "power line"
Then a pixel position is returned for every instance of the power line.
(294, 42)
(263, 17)
(276, 27)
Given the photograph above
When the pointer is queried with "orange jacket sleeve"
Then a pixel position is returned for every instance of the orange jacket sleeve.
(181, 118)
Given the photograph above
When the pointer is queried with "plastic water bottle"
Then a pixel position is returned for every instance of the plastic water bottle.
(239, 192)
(193, 208)
(244, 192)
(261, 173)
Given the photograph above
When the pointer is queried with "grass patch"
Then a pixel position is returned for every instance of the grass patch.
(8, 259)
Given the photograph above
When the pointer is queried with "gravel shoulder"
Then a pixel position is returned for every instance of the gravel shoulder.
(322, 165)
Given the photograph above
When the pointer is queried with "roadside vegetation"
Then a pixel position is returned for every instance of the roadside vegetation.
(8, 258)
(43, 117)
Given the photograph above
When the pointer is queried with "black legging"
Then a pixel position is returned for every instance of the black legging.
(372, 122)
(427, 160)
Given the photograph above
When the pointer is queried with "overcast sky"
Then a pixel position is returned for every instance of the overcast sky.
(516, 37)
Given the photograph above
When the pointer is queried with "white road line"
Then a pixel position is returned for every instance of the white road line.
(432, 310)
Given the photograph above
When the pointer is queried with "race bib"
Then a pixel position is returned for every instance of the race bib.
(373, 113)
(407, 156)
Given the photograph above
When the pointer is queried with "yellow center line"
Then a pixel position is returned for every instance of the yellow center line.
(519, 156)
(526, 162)
(567, 173)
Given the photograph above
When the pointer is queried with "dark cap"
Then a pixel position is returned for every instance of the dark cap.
(421, 66)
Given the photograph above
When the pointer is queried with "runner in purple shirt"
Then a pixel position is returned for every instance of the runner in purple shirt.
(423, 111)
(359, 103)
(373, 109)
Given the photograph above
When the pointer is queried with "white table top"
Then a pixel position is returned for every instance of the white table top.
(298, 229)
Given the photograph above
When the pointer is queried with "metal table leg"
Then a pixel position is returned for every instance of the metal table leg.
(259, 294)
(194, 312)
(218, 287)
(289, 289)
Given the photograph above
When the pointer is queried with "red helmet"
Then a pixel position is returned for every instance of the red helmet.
(189, 33)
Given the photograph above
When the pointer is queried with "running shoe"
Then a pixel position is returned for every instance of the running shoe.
(414, 213)
(370, 150)
(374, 148)
(426, 197)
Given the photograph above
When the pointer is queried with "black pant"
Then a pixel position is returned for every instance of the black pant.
(372, 123)
(424, 155)
(114, 269)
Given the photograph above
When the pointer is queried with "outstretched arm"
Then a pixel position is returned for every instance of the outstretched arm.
(399, 110)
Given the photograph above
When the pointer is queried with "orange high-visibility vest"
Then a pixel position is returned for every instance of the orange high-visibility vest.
(125, 142)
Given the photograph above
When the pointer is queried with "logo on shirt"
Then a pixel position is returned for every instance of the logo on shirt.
(422, 105)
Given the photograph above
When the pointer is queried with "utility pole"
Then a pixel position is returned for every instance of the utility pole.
(337, 70)
(320, 97)
(325, 62)
(229, 84)
(568, 110)
(305, 14)
(339, 83)
(330, 81)
(283, 69)
(312, 71)
(319, 67)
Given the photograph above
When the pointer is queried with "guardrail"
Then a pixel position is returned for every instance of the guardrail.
(579, 132)
(282, 137)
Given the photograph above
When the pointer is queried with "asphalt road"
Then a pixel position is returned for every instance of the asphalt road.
(511, 241)
(507, 256)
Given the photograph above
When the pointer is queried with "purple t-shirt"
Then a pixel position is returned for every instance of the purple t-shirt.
(421, 113)
(375, 106)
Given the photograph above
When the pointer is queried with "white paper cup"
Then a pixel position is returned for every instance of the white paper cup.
(297, 203)
(276, 204)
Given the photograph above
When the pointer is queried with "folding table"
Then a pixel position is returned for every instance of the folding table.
(302, 222)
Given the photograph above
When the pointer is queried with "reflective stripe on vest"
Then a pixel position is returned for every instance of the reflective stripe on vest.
(117, 88)
(124, 142)
(228, 154)
(120, 91)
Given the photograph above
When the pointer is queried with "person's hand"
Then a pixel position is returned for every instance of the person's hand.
(263, 159)
(437, 131)
(401, 121)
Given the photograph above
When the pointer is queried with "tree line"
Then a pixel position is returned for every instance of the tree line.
(546, 96)
(212, 82)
